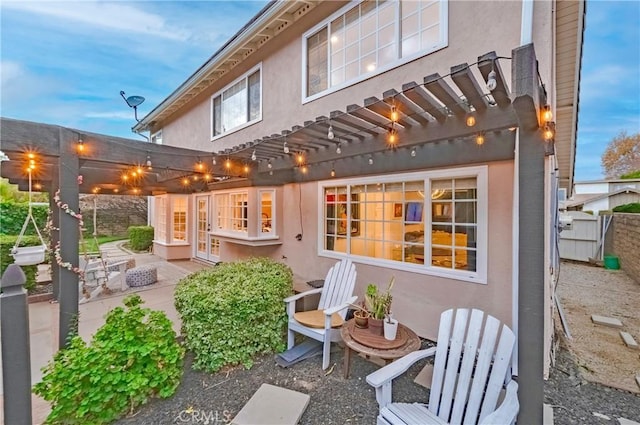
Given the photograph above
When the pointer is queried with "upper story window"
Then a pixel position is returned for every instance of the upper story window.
(369, 38)
(157, 137)
(431, 222)
(237, 105)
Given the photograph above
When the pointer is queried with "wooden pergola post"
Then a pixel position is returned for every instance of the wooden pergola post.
(54, 233)
(531, 269)
(69, 235)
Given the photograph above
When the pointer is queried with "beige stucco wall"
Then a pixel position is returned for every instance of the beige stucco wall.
(474, 28)
(418, 298)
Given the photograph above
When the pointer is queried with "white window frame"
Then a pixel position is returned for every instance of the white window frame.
(444, 42)
(221, 231)
(244, 76)
(478, 172)
(174, 198)
(160, 234)
(157, 136)
(272, 219)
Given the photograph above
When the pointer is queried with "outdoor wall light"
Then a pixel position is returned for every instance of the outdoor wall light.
(246, 169)
(200, 165)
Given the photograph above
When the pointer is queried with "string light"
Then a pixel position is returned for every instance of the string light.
(304, 169)
(300, 158)
(80, 145)
(148, 163)
(370, 160)
(548, 134)
(470, 120)
(37, 186)
(413, 153)
(136, 190)
(207, 177)
(31, 155)
(185, 181)
(285, 148)
(392, 136)
(338, 148)
(330, 134)
(480, 139)
(246, 169)
(333, 172)
(116, 190)
(253, 155)
(139, 170)
(195, 178)
(394, 114)
(213, 160)
(269, 165)
(200, 165)
(125, 177)
(547, 115)
(227, 164)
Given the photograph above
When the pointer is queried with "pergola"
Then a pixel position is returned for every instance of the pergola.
(432, 129)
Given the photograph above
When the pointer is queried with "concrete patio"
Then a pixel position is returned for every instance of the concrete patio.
(44, 316)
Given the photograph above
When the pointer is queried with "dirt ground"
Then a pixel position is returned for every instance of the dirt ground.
(599, 351)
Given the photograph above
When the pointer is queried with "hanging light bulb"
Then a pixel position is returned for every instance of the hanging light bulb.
(413, 153)
(491, 81)
(370, 160)
(195, 178)
(547, 115)
(300, 158)
(246, 169)
(213, 160)
(338, 148)
(185, 181)
(116, 190)
(80, 145)
(207, 177)
(333, 172)
(392, 136)
(125, 177)
(139, 170)
(136, 190)
(271, 173)
(227, 163)
(470, 120)
(148, 163)
(394, 114)
(330, 134)
(269, 165)
(285, 148)
(304, 169)
(200, 165)
(31, 155)
(480, 139)
(253, 155)
(548, 134)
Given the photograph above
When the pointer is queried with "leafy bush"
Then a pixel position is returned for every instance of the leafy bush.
(233, 311)
(628, 208)
(6, 244)
(140, 237)
(132, 357)
(12, 216)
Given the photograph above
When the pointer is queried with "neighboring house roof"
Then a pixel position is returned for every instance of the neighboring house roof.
(568, 57)
(275, 17)
(586, 198)
(608, 181)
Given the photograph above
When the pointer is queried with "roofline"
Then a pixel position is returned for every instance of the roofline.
(268, 12)
(608, 181)
(576, 100)
(601, 196)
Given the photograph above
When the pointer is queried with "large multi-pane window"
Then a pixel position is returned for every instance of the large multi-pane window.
(232, 212)
(179, 219)
(237, 105)
(432, 221)
(371, 37)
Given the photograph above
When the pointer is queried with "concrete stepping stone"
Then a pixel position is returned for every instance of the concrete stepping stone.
(624, 421)
(606, 321)
(272, 405)
(628, 340)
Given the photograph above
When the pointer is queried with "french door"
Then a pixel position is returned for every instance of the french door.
(207, 246)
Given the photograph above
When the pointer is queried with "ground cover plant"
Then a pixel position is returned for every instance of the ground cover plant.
(234, 311)
(134, 356)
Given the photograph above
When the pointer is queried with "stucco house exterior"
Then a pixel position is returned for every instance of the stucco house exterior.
(409, 136)
(602, 195)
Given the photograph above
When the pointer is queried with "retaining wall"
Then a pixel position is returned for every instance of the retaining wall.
(626, 242)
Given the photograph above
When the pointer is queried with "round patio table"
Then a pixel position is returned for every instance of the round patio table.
(375, 346)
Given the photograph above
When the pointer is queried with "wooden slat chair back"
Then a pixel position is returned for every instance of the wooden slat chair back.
(471, 367)
(335, 297)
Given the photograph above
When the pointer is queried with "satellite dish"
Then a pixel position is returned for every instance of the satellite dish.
(133, 102)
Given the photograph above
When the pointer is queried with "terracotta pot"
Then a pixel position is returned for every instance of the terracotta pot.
(361, 319)
(375, 326)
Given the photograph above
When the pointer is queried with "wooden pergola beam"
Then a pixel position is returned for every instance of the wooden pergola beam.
(420, 97)
(487, 63)
(383, 109)
(355, 124)
(468, 85)
(445, 94)
(405, 106)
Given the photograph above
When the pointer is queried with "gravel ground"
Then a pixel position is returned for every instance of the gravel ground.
(335, 400)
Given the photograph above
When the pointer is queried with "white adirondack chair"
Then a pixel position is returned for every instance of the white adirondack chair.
(335, 297)
(470, 370)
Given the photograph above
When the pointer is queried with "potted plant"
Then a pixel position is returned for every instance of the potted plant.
(361, 316)
(379, 305)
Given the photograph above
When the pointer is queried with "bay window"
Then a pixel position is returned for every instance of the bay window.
(369, 38)
(171, 222)
(431, 222)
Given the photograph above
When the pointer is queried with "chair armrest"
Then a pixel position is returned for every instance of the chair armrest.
(397, 368)
(508, 410)
(302, 295)
(337, 308)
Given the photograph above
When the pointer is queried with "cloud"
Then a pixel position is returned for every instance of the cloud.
(112, 115)
(116, 17)
(19, 87)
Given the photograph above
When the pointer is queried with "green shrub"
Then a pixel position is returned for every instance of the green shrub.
(234, 311)
(12, 216)
(6, 244)
(140, 237)
(132, 357)
(628, 208)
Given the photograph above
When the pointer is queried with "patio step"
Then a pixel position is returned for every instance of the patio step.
(273, 405)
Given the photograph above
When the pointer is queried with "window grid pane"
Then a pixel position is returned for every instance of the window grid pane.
(161, 220)
(180, 219)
